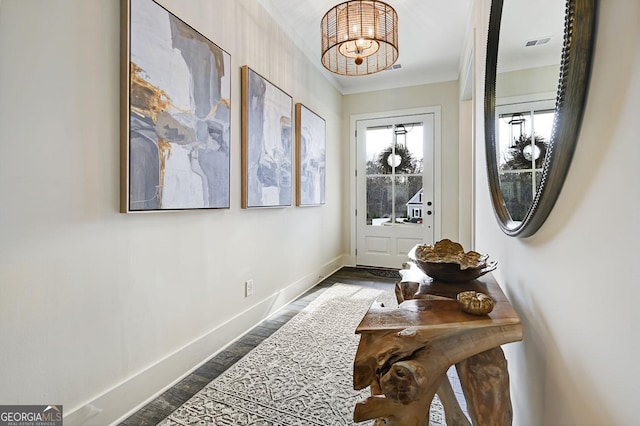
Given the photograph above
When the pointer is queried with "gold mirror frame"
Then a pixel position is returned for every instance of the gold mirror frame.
(575, 69)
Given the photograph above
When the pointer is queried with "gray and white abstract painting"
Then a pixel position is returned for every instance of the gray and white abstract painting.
(311, 148)
(180, 101)
(268, 143)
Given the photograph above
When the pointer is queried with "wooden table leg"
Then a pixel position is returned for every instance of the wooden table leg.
(485, 383)
(409, 366)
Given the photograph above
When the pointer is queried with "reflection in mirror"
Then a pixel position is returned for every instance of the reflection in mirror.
(524, 132)
(538, 63)
(528, 68)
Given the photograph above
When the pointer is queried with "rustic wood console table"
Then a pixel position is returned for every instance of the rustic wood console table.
(405, 352)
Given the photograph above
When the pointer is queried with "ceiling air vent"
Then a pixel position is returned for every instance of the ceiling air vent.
(538, 42)
(393, 67)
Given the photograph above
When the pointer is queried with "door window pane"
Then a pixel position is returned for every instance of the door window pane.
(379, 200)
(409, 147)
(408, 190)
(378, 141)
(518, 194)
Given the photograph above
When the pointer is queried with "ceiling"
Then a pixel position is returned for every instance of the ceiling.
(431, 38)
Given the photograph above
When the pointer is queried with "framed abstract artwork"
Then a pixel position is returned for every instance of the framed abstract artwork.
(176, 102)
(310, 157)
(266, 143)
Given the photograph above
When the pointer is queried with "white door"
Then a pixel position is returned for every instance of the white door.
(395, 207)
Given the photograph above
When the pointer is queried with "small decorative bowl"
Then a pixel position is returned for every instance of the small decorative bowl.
(447, 261)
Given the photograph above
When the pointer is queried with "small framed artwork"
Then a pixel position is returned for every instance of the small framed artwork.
(176, 102)
(310, 157)
(266, 143)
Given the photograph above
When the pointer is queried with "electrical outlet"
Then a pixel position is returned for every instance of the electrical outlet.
(248, 288)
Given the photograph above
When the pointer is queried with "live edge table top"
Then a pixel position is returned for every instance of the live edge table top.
(434, 306)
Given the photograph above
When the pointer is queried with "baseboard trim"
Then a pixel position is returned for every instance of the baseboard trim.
(124, 399)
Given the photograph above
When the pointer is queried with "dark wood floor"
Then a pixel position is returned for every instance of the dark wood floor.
(165, 404)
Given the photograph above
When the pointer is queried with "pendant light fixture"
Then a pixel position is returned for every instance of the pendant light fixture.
(359, 37)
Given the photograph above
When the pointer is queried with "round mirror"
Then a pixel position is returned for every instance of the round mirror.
(537, 73)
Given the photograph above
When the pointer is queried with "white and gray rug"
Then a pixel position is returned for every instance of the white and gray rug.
(300, 375)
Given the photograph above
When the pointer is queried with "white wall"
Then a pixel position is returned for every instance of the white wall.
(444, 95)
(106, 309)
(575, 282)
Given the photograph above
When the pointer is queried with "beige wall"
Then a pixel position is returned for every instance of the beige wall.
(575, 282)
(106, 309)
(526, 82)
(444, 95)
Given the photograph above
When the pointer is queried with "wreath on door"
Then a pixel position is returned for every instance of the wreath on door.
(402, 159)
(522, 152)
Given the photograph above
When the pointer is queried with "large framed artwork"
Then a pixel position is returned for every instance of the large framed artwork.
(266, 143)
(310, 157)
(176, 102)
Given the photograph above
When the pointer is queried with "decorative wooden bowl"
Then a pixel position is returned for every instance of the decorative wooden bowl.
(447, 261)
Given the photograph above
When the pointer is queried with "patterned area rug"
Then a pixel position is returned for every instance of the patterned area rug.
(300, 375)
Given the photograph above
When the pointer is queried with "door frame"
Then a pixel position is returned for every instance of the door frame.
(437, 163)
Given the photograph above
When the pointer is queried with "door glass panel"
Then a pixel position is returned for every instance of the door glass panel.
(379, 140)
(409, 146)
(408, 199)
(394, 166)
(379, 197)
(518, 193)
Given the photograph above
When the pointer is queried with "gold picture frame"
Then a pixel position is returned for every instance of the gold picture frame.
(266, 143)
(175, 114)
(310, 157)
